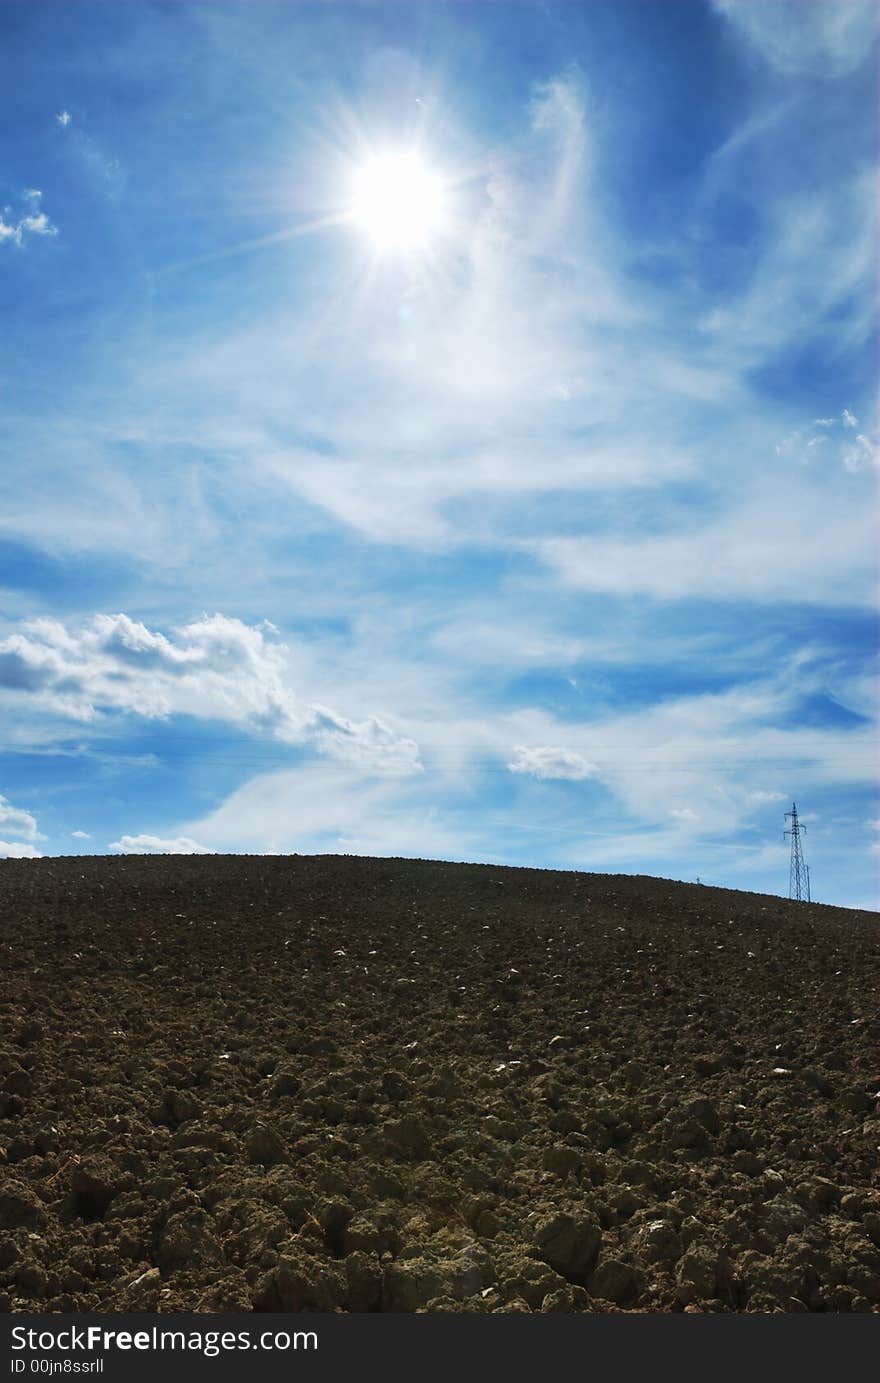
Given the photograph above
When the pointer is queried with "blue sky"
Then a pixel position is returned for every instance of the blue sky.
(548, 539)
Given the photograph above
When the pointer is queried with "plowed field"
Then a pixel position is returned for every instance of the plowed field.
(318, 1083)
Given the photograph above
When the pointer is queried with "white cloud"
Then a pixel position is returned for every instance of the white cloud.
(819, 38)
(861, 454)
(772, 856)
(369, 743)
(33, 222)
(636, 851)
(213, 668)
(80, 835)
(500, 384)
(16, 822)
(548, 762)
(146, 845)
(503, 372)
(753, 548)
(814, 263)
(336, 809)
(558, 113)
(712, 752)
(392, 499)
(64, 118)
(15, 850)
(852, 453)
(678, 780)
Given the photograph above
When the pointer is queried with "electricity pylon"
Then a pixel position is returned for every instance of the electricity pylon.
(799, 874)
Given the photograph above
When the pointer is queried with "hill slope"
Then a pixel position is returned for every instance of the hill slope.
(286, 1083)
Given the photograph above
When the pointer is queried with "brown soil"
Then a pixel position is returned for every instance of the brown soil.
(239, 1083)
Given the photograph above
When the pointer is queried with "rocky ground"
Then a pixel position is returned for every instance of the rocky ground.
(295, 1083)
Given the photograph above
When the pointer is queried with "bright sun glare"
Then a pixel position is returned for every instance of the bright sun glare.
(398, 201)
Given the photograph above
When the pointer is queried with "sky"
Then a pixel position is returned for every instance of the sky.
(518, 508)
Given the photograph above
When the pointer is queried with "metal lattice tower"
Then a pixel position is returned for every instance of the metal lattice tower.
(799, 874)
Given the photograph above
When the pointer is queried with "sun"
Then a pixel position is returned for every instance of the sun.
(398, 201)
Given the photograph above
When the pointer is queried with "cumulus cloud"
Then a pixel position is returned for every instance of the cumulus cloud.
(16, 850)
(21, 824)
(31, 220)
(155, 845)
(64, 118)
(547, 762)
(213, 668)
(14, 821)
(366, 742)
(80, 835)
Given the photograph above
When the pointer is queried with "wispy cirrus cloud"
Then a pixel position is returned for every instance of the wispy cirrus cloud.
(813, 278)
(341, 810)
(694, 757)
(501, 373)
(815, 39)
(697, 777)
(752, 550)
